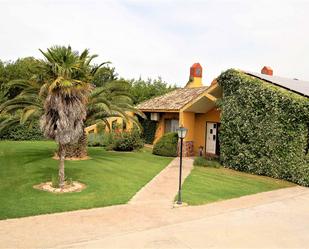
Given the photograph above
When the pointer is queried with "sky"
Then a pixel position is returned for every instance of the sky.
(164, 38)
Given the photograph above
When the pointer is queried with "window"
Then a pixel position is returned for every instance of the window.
(171, 125)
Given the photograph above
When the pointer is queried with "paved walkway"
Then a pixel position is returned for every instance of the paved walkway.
(275, 219)
(164, 187)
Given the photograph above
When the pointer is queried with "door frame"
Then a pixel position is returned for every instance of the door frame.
(217, 151)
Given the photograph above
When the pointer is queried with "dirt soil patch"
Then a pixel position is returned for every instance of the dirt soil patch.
(56, 157)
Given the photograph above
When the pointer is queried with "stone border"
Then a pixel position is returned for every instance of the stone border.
(47, 186)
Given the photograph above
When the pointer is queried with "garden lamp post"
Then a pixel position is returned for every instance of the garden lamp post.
(182, 132)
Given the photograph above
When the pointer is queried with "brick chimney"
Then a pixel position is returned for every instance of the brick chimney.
(267, 70)
(195, 79)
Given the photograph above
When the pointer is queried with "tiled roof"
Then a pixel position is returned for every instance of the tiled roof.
(294, 85)
(172, 101)
(175, 100)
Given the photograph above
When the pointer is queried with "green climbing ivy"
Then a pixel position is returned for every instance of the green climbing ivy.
(264, 128)
(149, 129)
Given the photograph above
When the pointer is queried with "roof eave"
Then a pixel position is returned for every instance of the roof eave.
(159, 110)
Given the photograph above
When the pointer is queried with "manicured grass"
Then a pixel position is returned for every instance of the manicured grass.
(111, 178)
(205, 185)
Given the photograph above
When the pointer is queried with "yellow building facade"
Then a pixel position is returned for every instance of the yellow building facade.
(193, 107)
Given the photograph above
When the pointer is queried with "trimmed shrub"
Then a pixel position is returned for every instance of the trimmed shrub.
(166, 145)
(128, 141)
(202, 161)
(264, 128)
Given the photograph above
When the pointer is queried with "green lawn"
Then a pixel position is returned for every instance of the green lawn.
(111, 178)
(205, 185)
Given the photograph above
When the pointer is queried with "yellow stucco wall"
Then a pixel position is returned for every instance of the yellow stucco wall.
(161, 124)
(91, 129)
(194, 122)
(200, 127)
(187, 120)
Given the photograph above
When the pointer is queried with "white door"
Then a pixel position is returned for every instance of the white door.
(211, 137)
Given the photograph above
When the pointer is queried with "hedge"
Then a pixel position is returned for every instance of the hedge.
(264, 128)
(166, 145)
(23, 132)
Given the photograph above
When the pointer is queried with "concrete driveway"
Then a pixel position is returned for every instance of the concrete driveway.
(276, 219)
(280, 221)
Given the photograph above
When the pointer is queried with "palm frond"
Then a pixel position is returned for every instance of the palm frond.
(8, 123)
(30, 112)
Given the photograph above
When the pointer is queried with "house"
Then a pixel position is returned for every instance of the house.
(195, 107)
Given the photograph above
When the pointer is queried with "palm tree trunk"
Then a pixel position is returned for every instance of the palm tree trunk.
(82, 145)
(61, 165)
(77, 150)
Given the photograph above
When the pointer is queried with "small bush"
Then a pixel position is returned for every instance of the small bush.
(167, 145)
(94, 140)
(202, 161)
(128, 141)
(120, 141)
(100, 139)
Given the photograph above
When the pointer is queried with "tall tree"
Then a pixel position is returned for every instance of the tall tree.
(142, 90)
(23, 68)
(104, 75)
(67, 89)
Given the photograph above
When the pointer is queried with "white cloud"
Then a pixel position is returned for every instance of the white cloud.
(164, 38)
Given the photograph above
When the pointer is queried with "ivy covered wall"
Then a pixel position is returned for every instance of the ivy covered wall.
(264, 128)
(149, 129)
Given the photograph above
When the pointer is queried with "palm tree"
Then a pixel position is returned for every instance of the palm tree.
(27, 106)
(110, 100)
(65, 72)
(67, 89)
